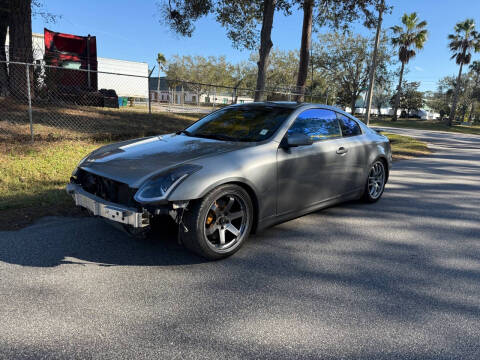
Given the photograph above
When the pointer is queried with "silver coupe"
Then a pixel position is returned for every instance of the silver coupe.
(235, 171)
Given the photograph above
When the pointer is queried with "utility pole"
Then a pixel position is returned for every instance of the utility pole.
(381, 9)
(311, 63)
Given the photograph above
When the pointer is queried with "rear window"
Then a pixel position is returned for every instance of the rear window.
(349, 126)
(318, 124)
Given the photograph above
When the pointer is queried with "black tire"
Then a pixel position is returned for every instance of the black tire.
(206, 214)
(371, 195)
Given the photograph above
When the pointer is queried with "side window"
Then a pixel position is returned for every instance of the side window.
(349, 126)
(319, 124)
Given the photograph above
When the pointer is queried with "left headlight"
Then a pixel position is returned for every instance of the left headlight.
(158, 187)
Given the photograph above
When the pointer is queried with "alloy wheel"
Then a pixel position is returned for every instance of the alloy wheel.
(376, 180)
(225, 222)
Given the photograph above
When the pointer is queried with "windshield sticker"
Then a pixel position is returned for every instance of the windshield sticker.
(264, 132)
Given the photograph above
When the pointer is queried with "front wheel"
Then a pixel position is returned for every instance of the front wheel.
(375, 182)
(218, 224)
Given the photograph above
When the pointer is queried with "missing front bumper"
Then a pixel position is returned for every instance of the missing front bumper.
(106, 209)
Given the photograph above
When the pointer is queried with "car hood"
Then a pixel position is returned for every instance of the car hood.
(132, 162)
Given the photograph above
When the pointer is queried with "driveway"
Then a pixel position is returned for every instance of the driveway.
(399, 279)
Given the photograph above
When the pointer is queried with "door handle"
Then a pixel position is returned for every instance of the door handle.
(341, 150)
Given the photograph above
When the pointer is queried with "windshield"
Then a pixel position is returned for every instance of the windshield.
(240, 123)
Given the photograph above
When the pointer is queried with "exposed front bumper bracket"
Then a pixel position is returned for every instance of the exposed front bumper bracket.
(106, 209)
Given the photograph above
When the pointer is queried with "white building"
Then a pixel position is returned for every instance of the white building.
(127, 78)
(423, 114)
(189, 97)
(134, 79)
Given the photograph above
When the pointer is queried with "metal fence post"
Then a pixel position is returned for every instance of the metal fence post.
(211, 96)
(214, 97)
(149, 100)
(183, 98)
(29, 96)
(169, 97)
(148, 92)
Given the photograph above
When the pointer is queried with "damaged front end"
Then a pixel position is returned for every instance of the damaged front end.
(116, 202)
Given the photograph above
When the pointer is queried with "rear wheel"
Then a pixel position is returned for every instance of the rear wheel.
(218, 224)
(375, 182)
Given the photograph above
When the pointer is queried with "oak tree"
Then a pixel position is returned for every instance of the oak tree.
(248, 23)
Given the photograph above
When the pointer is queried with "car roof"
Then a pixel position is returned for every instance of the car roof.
(279, 104)
(288, 104)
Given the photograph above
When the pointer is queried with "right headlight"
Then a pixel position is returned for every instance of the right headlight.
(158, 187)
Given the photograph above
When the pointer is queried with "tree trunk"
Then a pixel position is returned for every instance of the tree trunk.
(352, 105)
(305, 49)
(4, 20)
(265, 47)
(399, 90)
(464, 113)
(455, 96)
(20, 48)
(374, 64)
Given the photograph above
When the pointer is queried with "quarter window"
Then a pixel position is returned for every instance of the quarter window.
(349, 126)
(319, 124)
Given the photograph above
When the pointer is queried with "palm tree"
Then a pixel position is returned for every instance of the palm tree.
(162, 62)
(462, 42)
(407, 37)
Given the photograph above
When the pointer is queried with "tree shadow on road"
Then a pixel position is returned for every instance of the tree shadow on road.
(392, 280)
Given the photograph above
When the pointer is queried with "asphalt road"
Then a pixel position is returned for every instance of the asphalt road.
(399, 279)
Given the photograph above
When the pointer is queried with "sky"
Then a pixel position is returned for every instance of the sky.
(131, 30)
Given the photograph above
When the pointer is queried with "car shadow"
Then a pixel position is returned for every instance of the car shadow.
(53, 241)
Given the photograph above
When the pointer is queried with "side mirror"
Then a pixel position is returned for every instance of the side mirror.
(296, 139)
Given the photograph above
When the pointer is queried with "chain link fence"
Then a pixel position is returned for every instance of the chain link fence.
(184, 96)
(39, 101)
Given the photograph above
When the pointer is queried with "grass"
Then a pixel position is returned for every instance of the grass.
(76, 122)
(33, 179)
(426, 125)
(33, 175)
(406, 146)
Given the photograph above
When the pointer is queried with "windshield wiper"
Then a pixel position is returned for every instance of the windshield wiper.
(216, 137)
(186, 132)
